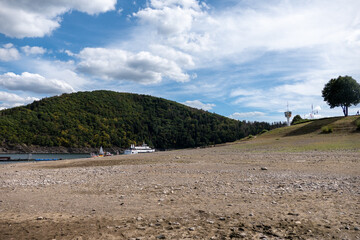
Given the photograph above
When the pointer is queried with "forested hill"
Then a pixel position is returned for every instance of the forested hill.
(112, 119)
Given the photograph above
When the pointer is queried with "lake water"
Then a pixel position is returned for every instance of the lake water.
(16, 156)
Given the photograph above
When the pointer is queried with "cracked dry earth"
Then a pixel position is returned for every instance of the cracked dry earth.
(213, 193)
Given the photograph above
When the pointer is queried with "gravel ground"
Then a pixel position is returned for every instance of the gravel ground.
(212, 193)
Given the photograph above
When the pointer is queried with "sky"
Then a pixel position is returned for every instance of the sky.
(248, 60)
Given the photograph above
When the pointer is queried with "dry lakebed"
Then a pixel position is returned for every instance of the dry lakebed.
(223, 192)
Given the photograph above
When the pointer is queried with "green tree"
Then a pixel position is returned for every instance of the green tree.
(343, 92)
(296, 119)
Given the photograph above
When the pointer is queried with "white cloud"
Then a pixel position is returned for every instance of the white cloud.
(33, 83)
(179, 23)
(243, 92)
(69, 53)
(170, 17)
(37, 18)
(8, 100)
(33, 50)
(117, 64)
(199, 105)
(14, 98)
(9, 53)
(245, 115)
(180, 58)
(239, 33)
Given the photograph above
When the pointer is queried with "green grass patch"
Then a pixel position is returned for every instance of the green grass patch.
(357, 123)
(307, 137)
(327, 129)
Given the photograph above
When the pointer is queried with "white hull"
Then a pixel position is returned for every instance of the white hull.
(139, 149)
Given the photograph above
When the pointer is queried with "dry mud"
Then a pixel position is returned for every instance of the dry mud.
(213, 193)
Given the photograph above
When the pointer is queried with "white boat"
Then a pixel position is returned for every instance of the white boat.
(139, 149)
(101, 153)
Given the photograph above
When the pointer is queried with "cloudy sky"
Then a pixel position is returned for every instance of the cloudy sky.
(238, 58)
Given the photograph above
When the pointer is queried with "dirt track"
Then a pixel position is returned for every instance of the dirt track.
(213, 193)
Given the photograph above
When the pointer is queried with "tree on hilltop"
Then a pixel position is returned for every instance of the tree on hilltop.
(342, 92)
(296, 120)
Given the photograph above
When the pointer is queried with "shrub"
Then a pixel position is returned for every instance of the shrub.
(358, 125)
(250, 136)
(264, 131)
(327, 129)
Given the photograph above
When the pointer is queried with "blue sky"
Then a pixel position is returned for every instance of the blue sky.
(241, 59)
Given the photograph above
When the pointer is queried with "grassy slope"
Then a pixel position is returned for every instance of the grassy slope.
(307, 137)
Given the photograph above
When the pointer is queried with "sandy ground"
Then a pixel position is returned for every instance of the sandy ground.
(213, 193)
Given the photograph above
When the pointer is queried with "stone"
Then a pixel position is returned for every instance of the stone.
(191, 229)
(264, 168)
(161, 237)
(40, 218)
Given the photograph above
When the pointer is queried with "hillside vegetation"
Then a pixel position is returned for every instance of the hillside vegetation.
(309, 136)
(112, 119)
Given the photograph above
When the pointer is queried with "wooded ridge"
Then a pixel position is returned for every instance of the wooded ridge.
(112, 119)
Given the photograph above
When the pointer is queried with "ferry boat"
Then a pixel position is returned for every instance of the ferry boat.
(139, 149)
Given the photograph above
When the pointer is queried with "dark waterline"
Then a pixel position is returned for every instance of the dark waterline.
(62, 156)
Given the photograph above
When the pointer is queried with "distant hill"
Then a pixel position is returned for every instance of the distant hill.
(112, 119)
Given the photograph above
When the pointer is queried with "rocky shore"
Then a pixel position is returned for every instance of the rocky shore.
(213, 193)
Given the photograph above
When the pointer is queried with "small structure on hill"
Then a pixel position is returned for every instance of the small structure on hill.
(288, 115)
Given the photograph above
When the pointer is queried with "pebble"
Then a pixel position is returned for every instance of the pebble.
(40, 218)
(161, 237)
(243, 234)
(191, 229)
(264, 168)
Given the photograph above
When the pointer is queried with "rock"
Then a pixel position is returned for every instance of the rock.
(191, 229)
(40, 218)
(251, 214)
(161, 237)
(264, 168)
(222, 218)
(235, 235)
(293, 214)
